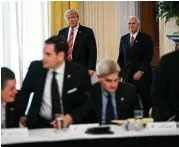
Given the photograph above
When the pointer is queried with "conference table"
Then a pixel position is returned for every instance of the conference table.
(76, 135)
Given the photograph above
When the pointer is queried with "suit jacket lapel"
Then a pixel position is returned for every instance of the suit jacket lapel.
(78, 40)
(9, 115)
(42, 80)
(66, 33)
(67, 76)
(137, 37)
(128, 39)
(118, 100)
(128, 42)
(127, 48)
(78, 36)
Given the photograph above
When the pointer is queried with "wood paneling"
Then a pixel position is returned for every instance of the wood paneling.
(150, 26)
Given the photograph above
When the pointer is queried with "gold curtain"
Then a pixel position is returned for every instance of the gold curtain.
(57, 9)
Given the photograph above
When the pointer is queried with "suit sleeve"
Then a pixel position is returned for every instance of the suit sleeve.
(147, 54)
(120, 60)
(59, 32)
(135, 100)
(92, 50)
(159, 92)
(26, 89)
(78, 114)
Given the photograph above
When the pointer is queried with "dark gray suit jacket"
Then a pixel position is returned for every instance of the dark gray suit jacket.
(126, 100)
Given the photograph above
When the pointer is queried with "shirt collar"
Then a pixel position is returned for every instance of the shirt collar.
(75, 28)
(104, 93)
(3, 104)
(60, 70)
(134, 35)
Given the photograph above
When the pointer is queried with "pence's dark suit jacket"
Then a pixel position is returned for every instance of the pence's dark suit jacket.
(137, 58)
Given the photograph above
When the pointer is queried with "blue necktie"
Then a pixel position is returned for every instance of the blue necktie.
(109, 110)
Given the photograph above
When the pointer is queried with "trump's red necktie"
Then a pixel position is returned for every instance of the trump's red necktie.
(70, 45)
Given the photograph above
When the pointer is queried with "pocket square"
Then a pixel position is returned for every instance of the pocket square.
(72, 90)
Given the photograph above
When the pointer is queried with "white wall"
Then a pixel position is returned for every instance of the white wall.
(109, 22)
(169, 28)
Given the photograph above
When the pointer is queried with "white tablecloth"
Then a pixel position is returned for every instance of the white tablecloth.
(76, 132)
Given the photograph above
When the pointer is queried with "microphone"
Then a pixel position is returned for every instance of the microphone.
(172, 118)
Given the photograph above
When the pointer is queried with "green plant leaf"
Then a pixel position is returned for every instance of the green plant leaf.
(167, 9)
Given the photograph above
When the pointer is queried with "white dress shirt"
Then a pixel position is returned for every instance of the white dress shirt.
(134, 35)
(46, 107)
(75, 33)
(3, 115)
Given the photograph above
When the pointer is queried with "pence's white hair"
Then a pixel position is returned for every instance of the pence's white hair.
(136, 18)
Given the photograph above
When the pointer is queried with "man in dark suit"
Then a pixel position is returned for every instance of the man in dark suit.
(60, 88)
(112, 99)
(81, 42)
(165, 88)
(135, 56)
(8, 93)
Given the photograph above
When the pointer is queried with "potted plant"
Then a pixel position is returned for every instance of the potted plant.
(169, 10)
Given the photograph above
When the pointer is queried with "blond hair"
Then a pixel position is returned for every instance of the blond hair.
(69, 12)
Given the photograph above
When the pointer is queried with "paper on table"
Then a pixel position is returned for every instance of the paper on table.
(15, 132)
(158, 126)
(143, 120)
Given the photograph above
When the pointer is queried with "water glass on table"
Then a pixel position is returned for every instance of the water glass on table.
(59, 118)
(138, 124)
(138, 114)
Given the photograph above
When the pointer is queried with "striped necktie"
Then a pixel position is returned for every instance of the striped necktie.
(132, 41)
(70, 45)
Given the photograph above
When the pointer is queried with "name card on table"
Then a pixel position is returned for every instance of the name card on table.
(14, 132)
(162, 126)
